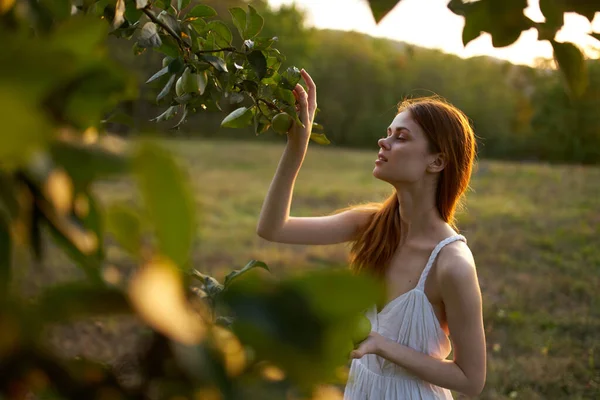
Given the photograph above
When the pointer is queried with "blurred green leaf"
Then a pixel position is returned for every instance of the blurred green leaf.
(572, 65)
(238, 118)
(259, 63)
(201, 11)
(300, 323)
(86, 163)
(125, 224)
(80, 35)
(89, 263)
(352, 294)
(380, 8)
(239, 20)
(70, 301)
(254, 23)
(319, 138)
(236, 273)
(168, 199)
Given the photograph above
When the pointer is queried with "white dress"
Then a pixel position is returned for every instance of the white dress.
(410, 320)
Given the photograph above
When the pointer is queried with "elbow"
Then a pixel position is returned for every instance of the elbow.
(474, 389)
(264, 233)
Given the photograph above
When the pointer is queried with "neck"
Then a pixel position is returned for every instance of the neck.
(419, 216)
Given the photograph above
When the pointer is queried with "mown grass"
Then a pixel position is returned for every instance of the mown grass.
(534, 230)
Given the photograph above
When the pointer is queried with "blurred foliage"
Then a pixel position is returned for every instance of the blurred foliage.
(251, 335)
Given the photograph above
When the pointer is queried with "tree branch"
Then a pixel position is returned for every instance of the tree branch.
(170, 31)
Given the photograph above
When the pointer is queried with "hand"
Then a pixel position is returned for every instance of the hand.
(306, 105)
(371, 345)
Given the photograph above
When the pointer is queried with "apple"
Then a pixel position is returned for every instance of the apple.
(360, 329)
(281, 123)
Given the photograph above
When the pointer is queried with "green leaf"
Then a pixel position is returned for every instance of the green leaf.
(166, 89)
(70, 301)
(319, 138)
(200, 26)
(286, 95)
(210, 285)
(290, 78)
(167, 115)
(86, 163)
(254, 23)
(5, 257)
(181, 4)
(239, 20)
(239, 118)
(149, 36)
(222, 31)
(352, 293)
(89, 263)
(169, 47)
(504, 20)
(157, 75)
(201, 11)
(168, 200)
(259, 63)
(125, 225)
(380, 8)
(236, 273)
(216, 62)
(170, 21)
(572, 65)
(183, 115)
(176, 66)
(553, 13)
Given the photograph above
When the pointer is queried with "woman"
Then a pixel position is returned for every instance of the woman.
(410, 241)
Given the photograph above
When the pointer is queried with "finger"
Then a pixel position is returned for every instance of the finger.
(302, 96)
(310, 84)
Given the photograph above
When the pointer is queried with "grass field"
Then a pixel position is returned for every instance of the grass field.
(534, 230)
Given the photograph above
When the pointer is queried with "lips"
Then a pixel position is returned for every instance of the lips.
(381, 157)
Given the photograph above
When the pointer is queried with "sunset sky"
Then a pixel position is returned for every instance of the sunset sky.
(429, 23)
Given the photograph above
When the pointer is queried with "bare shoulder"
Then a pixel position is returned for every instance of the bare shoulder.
(456, 264)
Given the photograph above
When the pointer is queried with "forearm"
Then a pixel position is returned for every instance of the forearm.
(444, 373)
(276, 207)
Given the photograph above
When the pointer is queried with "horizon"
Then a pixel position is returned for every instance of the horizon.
(405, 24)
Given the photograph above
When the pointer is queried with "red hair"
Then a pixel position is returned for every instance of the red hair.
(448, 131)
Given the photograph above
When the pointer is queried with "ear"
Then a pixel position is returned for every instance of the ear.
(438, 163)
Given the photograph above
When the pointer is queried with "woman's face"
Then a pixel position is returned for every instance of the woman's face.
(404, 153)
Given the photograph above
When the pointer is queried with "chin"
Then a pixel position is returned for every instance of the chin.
(377, 174)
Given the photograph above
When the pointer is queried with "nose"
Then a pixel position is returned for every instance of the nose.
(382, 143)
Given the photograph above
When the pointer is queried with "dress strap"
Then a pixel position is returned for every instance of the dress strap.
(432, 257)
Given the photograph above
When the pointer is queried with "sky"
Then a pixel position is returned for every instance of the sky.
(429, 23)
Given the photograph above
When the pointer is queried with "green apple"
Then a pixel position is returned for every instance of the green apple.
(281, 123)
(193, 82)
(360, 329)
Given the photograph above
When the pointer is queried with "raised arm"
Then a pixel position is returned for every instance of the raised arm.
(275, 223)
